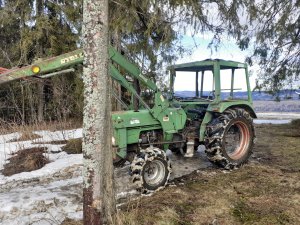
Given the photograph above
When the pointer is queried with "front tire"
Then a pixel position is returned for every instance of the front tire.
(230, 138)
(150, 170)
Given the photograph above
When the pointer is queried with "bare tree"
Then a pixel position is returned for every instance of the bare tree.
(98, 192)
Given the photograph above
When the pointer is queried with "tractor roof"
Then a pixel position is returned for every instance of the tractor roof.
(208, 65)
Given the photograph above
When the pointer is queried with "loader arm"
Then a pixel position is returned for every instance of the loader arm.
(71, 59)
(43, 67)
(64, 63)
(61, 64)
(132, 69)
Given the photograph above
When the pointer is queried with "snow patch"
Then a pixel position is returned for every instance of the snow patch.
(47, 195)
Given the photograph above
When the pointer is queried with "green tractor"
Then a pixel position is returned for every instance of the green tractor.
(220, 119)
(212, 115)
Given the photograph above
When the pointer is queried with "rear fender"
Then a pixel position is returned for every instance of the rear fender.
(222, 106)
(246, 107)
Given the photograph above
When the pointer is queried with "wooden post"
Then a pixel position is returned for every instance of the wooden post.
(98, 190)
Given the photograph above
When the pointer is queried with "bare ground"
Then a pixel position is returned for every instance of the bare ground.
(25, 160)
(265, 191)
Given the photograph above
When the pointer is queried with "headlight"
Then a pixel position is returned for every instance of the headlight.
(113, 141)
(35, 69)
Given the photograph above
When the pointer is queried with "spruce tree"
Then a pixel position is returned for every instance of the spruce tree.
(30, 30)
(272, 35)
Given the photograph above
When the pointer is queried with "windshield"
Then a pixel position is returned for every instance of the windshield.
(233, 84)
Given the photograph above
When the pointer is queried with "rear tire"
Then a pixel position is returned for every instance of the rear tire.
(230, 138)
(150, 170)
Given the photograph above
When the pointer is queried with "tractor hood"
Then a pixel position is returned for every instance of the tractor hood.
(127, 119)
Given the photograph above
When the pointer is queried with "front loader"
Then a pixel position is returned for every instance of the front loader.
(142, 134)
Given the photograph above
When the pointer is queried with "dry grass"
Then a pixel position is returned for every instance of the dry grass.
(252, 195)
(58, 142)
(296, 124)
(25, 160)
(26, 136)
(73, 146)
(32, 159)
(279, 146)
(6, 128)
(71, 222)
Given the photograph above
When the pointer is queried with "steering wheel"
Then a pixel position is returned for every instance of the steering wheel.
(211, 95)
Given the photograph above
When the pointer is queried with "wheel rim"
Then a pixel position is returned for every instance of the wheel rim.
(154, 172)
(237, 140)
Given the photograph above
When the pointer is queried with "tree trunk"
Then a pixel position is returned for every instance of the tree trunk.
(40, 54)
(23, 104)
(98, 190)
(41, 101)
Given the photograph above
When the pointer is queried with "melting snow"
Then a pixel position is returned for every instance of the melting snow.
(54, 192)
(47, 195)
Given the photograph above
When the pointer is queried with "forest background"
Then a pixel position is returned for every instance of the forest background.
(149, 33)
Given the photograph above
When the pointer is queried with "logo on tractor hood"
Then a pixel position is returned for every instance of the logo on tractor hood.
(134, 121)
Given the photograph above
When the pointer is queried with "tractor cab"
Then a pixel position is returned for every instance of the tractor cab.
(211, 85)
(211, 80)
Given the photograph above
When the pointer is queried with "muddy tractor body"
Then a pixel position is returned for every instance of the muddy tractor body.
(142, 133)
